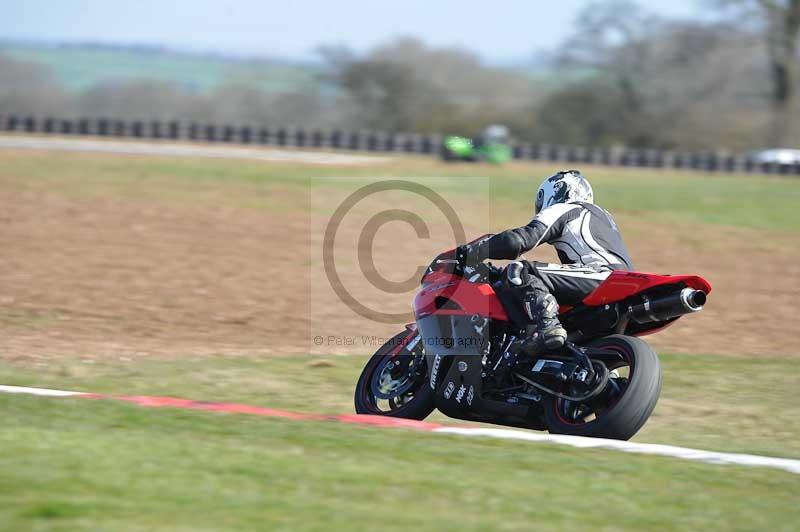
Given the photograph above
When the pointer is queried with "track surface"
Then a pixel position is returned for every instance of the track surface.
(173, 149)
(685, 453)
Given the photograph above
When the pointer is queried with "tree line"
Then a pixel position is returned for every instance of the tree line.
(622, 76)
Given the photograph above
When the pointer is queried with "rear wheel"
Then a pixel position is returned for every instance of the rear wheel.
(625, 404)
(394, 384)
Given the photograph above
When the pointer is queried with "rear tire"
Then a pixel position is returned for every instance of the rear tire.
(418, 406)
(624, 415)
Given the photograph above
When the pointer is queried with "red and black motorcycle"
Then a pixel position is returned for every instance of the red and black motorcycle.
(604, 383)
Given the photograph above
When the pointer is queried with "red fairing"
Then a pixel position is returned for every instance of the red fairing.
(471, 298)
(621, 284)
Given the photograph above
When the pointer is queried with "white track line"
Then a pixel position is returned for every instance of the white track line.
(685, 453)
(173, 149)
(38, 391)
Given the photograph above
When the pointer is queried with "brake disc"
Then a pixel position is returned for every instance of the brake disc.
(393, 380)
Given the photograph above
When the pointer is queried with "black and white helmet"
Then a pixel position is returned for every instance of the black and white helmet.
(564, 187)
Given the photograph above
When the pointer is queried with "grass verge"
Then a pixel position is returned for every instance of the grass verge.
(691, 197)
(717, 403)
(75, 464)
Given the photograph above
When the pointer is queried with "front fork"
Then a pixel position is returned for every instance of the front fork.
(408, 347)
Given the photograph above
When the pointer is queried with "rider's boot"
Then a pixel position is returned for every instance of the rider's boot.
(550, 335)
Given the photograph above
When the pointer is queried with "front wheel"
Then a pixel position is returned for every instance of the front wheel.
(394, 383)
(625, 404)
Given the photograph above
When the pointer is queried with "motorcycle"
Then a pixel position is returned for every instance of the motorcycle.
(603, 383)
(464, 149)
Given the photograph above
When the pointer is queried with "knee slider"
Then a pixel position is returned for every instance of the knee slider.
(548, 306)
(539, 305)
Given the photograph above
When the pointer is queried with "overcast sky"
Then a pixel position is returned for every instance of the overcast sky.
(500, 30)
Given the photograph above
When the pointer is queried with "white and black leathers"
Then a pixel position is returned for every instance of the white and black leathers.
(586, 238)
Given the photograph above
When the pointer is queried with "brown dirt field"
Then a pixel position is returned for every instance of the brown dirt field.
(754, 277)
(128, 276)
(114, 276)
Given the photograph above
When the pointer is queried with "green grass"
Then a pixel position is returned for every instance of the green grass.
(734, 404)
(757, 202)
(74, 464)
(80, 67)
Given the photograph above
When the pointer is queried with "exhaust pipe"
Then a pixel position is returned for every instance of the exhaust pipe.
(664, 308)
(693, 299)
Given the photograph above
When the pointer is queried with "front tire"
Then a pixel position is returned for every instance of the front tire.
(382, 390)
(626, 404)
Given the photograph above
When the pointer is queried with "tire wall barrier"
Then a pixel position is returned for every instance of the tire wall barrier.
(374, 141)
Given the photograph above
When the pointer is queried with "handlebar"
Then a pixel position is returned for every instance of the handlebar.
(486, 273)
(447, 262)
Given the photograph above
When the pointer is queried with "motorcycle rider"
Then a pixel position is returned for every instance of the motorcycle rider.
(588, 244)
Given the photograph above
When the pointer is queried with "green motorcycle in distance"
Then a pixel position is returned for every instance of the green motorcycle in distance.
(492, 147)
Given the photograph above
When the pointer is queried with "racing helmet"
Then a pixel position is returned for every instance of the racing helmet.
(564, 187)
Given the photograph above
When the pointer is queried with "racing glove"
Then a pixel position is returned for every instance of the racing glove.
(471, 254)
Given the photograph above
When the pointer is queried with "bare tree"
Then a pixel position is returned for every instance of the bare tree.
(134, 99)
(406, 85)
(28, 88)
(779, 22)
(783, 27)
(665, 83)
(614, 38)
